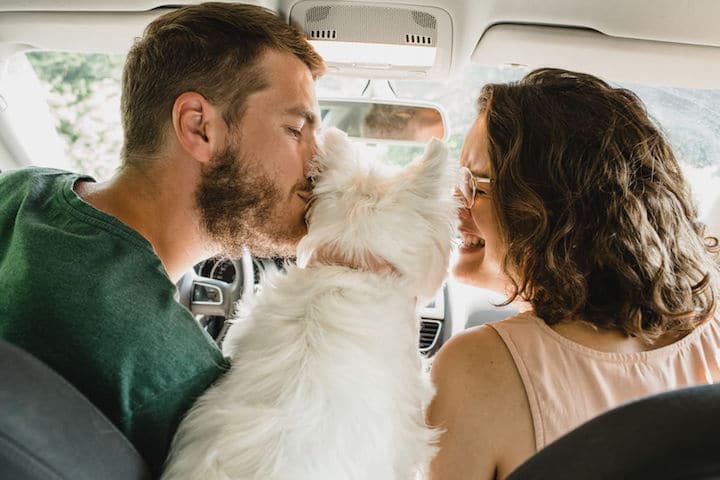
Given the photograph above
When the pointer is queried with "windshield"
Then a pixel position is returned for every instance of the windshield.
(71, 114)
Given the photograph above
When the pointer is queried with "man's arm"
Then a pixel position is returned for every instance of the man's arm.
(153, 424)
(481, 406)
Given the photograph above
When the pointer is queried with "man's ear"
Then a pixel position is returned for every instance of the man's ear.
(198, 126)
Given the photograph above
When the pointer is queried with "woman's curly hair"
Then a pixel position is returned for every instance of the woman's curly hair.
(593, 208)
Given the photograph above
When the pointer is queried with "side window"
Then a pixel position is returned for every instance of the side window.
(64, 110)
(690, 119)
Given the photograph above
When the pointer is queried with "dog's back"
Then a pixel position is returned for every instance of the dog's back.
(326, 380)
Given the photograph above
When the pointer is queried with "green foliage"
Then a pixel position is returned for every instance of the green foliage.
(75, 74)
(84, 96)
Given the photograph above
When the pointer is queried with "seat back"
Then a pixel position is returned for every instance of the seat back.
(49, 430)
(674, 435)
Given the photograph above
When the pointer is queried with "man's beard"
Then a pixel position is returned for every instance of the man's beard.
(241, 207)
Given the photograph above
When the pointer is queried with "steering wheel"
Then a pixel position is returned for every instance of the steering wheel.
(207, 296)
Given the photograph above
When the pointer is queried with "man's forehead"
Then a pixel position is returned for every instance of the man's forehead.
(288, 80)
(284, 102)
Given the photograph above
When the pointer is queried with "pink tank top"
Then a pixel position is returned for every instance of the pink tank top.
(567, 383)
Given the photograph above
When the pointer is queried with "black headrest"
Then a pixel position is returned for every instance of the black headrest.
(49, 430)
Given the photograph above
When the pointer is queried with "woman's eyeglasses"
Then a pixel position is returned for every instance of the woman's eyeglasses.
(468, 186)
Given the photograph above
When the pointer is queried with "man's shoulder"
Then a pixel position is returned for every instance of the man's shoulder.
(31, 181)
(27, 174)
(43, 222)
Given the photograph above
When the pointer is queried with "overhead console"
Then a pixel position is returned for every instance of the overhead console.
(375, 40)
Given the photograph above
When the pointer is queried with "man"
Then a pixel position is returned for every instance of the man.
(219, 114)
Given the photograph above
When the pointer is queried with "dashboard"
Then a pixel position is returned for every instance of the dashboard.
(214, 286)
(218, 269)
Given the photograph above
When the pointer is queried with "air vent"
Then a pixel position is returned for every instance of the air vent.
(323, 34)
(418, 39)
(429, 334)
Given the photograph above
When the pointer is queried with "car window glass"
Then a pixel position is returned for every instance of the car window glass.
(690, 119)
(78, 97)
(81, 93)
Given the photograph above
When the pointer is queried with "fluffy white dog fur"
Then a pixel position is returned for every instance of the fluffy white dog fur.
(326, 382)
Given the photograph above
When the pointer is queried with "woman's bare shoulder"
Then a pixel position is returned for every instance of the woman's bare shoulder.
(481, 402)
(477, 355)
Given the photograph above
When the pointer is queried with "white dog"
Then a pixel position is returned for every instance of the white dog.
(326, 382)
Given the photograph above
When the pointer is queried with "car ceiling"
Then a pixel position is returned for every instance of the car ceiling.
(680, 37)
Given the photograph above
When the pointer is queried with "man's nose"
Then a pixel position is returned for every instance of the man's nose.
(310, 150)
(314, 142)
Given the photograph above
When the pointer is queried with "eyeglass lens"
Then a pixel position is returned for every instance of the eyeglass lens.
(467, 186)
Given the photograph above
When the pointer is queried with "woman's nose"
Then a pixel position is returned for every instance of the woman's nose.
(464, 213)
(460, 198)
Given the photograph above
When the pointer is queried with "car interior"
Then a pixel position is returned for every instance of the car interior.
(60, 68)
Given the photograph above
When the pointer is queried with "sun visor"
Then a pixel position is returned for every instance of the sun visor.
(613, 58)
(377, 41)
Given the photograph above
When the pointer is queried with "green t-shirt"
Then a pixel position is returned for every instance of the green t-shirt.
(88, 296)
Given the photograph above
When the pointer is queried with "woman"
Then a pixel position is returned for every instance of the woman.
(574, 205)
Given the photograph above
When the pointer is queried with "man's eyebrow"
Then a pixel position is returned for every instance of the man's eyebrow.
(303, 112)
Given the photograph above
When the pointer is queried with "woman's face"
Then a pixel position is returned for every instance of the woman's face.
(482, 251)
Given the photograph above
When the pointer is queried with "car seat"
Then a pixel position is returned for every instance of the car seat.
(50, 431)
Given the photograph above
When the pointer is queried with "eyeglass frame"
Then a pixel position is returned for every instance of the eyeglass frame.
(475, 180)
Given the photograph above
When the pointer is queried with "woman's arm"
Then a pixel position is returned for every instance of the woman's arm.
(481, 406)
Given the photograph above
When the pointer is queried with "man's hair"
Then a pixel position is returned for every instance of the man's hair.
(593, 208)
(213, 49)
(387, 121)
(398, 121)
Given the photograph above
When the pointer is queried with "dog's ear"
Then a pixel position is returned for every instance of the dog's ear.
(335, 153)
(432, 174)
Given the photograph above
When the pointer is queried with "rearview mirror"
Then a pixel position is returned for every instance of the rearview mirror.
(387, 121)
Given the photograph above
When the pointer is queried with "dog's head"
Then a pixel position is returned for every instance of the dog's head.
(365, 211)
